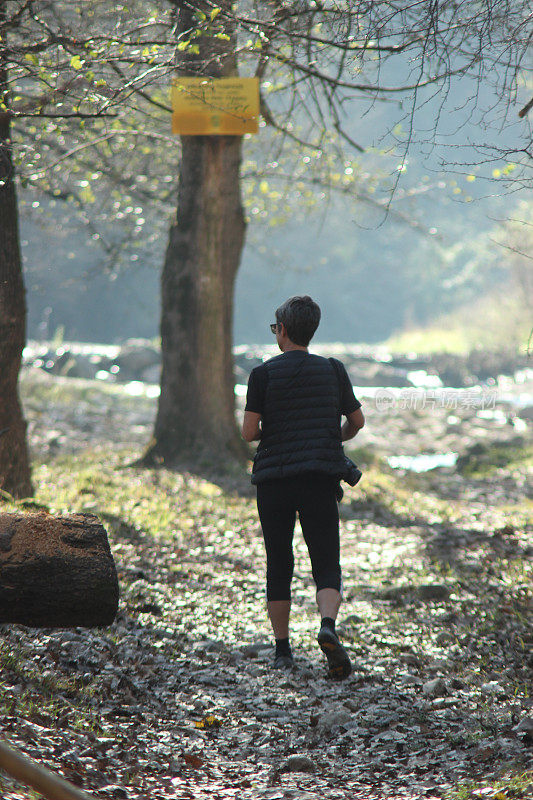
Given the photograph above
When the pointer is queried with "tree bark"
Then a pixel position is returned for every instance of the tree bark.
(196, 412)
(15, 475)
(56, 571)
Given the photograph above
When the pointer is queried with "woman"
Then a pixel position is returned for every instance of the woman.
(293, 408)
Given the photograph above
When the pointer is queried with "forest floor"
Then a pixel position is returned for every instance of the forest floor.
(178, 698)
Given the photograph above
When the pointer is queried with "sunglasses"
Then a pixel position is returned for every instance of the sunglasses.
(274, 327)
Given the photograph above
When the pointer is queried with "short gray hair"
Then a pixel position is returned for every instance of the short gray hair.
(301, 316)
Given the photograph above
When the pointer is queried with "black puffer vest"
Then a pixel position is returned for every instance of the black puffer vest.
(301, 419)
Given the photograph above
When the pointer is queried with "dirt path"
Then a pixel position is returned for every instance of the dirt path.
(178, 699)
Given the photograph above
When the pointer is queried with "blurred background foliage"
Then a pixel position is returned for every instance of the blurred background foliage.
(421, 231)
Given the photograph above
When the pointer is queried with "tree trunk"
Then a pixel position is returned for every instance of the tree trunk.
(15, 475)
(196, 413)
(56, 571)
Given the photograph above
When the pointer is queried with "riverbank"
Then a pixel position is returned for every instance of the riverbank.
(68, 415)
(367, 365)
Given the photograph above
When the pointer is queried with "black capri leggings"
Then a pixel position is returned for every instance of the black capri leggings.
(313, 496)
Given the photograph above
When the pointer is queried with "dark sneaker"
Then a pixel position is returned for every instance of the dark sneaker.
(338, 660)
(283, 662)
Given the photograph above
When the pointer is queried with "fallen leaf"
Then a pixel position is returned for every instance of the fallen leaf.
(193, 760)
(209, 721)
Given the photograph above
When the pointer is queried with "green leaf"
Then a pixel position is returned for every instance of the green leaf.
(76, 62)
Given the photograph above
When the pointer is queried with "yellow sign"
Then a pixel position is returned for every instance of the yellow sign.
(211, 106)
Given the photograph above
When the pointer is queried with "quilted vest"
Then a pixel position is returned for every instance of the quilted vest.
(301, 419)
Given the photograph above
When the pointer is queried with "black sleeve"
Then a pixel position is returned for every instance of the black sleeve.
(257, 384)
(349, 401)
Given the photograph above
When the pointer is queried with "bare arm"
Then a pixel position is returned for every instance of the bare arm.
(354, 422)
(251, 429)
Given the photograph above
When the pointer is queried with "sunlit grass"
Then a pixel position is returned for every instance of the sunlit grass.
(496, 456)
(430, 340)
(511, 787)
(491, 320)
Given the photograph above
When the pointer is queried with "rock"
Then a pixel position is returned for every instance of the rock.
(410, 659)
(113, 790)
(452, 369)
(80, 366)
(409, 680)
(334, 718)
(215, 646)
(492, 688)
(250, 651)
(151, 374)
(63, 363)
(376, 374)
(472, 565)
(240, 375)
(255, 672)
(395, 593)
(408, 363)
(434, 688)
(433, 591)
(526, 413)
(135, 357)
(246, 358)
(150, 608)
(426, 592)
(351, 705)
(438, 664)
(525, 726)
(256, 648)
(383, 718)
(298, 763)
(354, 619)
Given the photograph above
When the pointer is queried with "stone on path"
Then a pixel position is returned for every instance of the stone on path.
(333, 718)
(298, 763)
(435, 688)
(492, 688)
(525, 726)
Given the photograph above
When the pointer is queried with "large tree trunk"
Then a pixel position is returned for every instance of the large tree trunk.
(56, 571)
(196, 413)
(14, 461)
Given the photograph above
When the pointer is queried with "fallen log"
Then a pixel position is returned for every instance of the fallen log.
(56, 572)
(45, 782)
